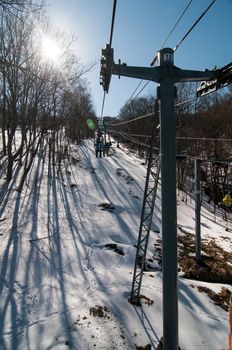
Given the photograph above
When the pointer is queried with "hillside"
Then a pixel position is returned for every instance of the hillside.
(67, 250)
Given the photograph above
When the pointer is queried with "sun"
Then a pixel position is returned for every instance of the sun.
(50, 51)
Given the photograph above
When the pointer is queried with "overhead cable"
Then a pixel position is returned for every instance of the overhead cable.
(155, 57)
(202, 139)
(153, 62)
(103, 104)
(131, 120)
(184, 102)
(147, 115)
(127, 137)
(194, 25)
(131, 97)
(141, 90)
(112, 22)
(172, 30)
(111, 38)
(136, 135)
(176, 24)
(176, 47)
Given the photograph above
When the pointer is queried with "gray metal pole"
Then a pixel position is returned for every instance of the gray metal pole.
(166, 94)
(166, 74)
(198, 208)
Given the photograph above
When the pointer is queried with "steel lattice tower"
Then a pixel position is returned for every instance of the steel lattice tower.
(153, 170)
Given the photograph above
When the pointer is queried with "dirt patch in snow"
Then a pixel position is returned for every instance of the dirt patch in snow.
(99, 311)
(121, 172)
(101, 329)
(214, 266)
(115, 248)
(215, 263)
(146, 347)
(221, 299)
(107, 206)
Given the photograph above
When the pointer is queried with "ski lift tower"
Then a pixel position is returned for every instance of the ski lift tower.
(166, 74)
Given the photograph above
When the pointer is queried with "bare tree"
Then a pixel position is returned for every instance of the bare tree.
(12, 7)
(40, 101)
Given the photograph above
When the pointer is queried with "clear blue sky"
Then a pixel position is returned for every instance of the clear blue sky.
(140, 28)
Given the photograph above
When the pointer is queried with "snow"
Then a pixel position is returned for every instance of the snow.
(67, 250)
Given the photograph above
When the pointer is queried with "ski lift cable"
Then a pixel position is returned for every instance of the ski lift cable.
(103, 104)
(176, 47)
(137, 135)
(126, 136)
(184, 37)
(147, 115)
(180, 137)
(179, 19)
(202, 139)
(135, 91)
(141, 90)
(110, 44)
(174, 27)
(150, 114)
(112, 22)
(194, 25)
(131, 120)
(131, 99)
(187, 101)
(172, 30)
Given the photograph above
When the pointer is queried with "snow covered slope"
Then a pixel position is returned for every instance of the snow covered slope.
(67, 250)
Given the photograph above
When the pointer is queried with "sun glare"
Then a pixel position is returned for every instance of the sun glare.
(50, 50)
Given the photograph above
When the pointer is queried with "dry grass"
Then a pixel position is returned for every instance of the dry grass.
(160, 345)
(221, 299)
(146, 300)
(99, 311)
(140, 300)
(146, 347)
(106, 206)
(215, 265)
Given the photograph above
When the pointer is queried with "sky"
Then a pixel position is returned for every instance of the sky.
(140, 29)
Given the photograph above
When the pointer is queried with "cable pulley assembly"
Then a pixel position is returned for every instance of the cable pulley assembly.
(223, 79)
(106, 67)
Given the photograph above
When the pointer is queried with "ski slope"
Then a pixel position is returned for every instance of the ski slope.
(67, 250)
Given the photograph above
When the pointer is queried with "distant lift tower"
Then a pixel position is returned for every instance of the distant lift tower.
(166, 74)
(152, 178)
